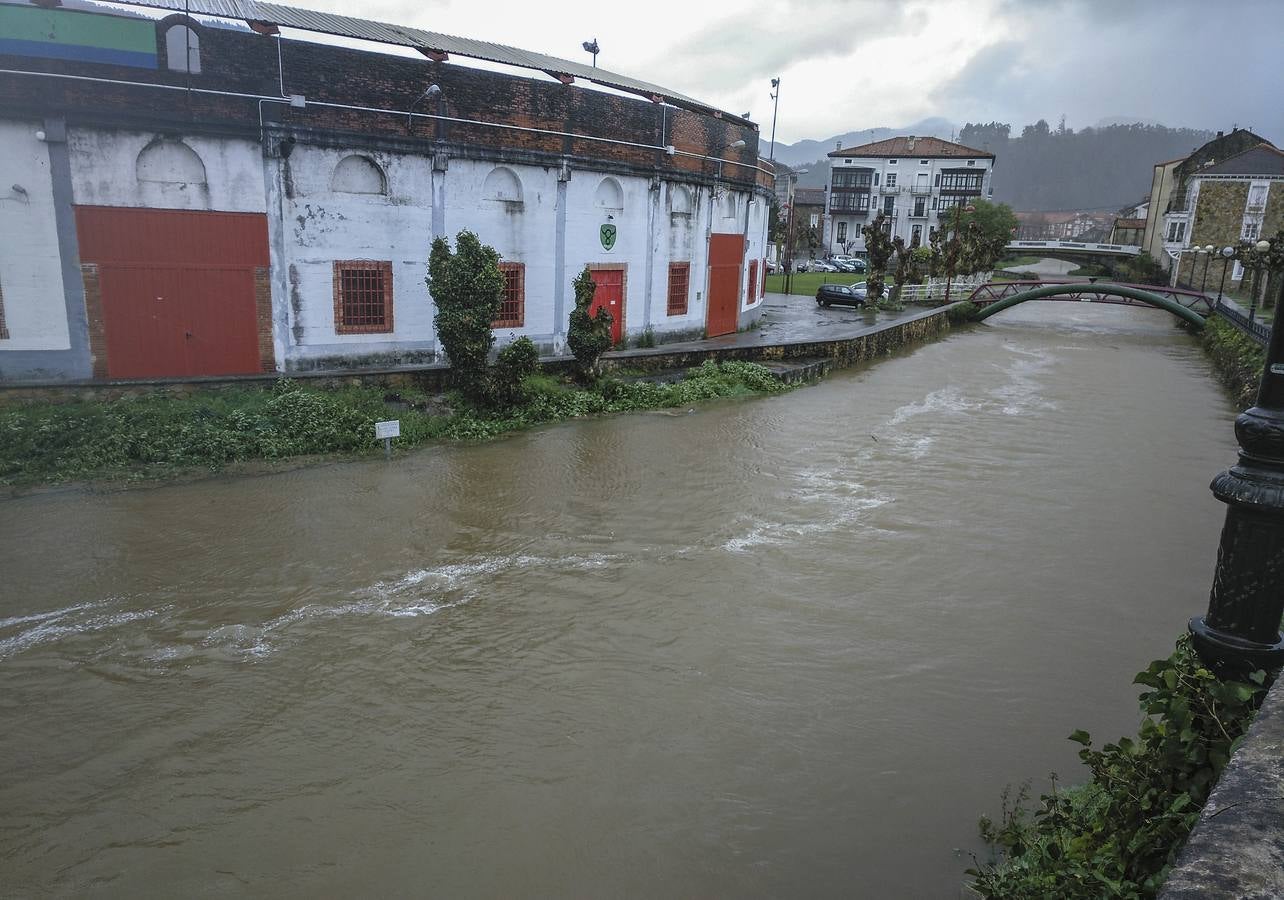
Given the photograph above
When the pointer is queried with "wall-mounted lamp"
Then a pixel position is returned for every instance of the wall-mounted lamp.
(433, 90)
(19, 193)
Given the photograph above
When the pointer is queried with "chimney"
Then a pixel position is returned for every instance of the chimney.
(838, 145)
(912, 139)
(1220, 133)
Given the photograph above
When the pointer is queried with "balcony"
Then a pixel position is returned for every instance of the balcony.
(890, 189)
(917, 213)
(921, 190)
(1255, 209)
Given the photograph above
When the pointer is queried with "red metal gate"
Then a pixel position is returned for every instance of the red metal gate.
(726, 255)
(177, 289)
(751, 287)
(609, 295)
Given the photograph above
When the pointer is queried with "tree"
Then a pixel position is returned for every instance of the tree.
(589, 335)
(906, 264)
(985, 232)
(878, 248)
(467, 289)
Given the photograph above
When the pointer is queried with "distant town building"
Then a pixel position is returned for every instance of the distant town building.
(1127, 231)
(914, 182)
(1061, 225)
(809, 220)
(1240, 198)
(1166, 224)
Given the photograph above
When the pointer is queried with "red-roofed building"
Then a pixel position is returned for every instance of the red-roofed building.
(914, 182)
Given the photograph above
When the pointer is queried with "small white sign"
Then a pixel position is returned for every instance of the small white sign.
(385, 430)
(1277, 368)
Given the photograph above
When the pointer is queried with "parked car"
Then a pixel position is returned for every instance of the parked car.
(819, 265)
(842, 294)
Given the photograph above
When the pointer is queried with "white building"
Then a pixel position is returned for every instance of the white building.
(913, 182)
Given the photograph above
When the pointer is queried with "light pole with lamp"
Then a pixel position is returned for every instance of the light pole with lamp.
(775, 107)
(1225, 253)
(1208, 257)
(592, 47)
(1241, 631)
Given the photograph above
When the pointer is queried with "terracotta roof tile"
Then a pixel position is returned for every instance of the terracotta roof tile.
(925, 147)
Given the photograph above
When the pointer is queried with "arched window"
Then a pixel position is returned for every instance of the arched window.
(729, 206)
(183, 49)
(502, 184)
(169, 162)
(610, 195)
(680, 201)
(358, 175)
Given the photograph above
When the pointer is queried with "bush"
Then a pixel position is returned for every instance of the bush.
(1119, 834)
(589, 336)
(467, 288)
(958, 313)
(516, 363)
(1238, 359)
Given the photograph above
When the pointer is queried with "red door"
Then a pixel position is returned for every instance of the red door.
(609, 296)
(726, 256)
(177, 289)
(752, 287)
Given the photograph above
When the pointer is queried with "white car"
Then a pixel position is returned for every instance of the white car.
(819, 265)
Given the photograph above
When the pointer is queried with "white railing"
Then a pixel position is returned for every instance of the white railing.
(1114, 249)
(933, 290)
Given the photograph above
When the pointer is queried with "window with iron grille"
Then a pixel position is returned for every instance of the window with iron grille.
(362, 296)
(512, 309)
(679, 287)
(842, 232)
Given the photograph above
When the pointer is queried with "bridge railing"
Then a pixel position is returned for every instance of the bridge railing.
(1258, 331)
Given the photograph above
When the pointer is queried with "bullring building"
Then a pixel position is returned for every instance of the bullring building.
(194, 188)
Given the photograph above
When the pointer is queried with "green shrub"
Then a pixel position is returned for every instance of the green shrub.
(589, 336)
(1118, 835)
(958, 313)
(516, 363)
(467, 288)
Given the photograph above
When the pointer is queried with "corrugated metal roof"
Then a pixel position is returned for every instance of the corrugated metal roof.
(406, 36)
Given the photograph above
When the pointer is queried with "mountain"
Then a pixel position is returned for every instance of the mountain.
(803, 153)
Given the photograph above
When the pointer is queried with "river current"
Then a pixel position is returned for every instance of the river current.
(790, 646)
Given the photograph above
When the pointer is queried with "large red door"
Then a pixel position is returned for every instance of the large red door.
(609, 295)
(177, 289)
(726, 256)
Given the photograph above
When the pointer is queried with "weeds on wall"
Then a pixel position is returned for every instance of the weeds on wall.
(1119, 834)
(1238, 359)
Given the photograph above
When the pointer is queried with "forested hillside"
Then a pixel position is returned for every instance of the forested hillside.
(1060, 168)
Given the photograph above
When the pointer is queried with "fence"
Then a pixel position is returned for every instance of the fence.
(933, 290)
(1258, 331)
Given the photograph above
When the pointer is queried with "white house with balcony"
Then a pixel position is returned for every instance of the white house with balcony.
(915, 182)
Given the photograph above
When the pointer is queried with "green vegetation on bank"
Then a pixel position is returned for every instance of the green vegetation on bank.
(1119, 834)
(159, 434)
(1238, 359)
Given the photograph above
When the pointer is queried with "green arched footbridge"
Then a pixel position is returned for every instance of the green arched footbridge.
(1129, 292)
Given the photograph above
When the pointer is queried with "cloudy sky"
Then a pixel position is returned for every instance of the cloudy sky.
(852, 64)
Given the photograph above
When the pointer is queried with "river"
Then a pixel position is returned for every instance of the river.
(790, 646)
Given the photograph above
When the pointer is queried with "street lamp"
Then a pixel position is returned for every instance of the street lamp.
(1226, 254)
(1207, 253)
(775, 106)
(1241, 631)
(1263, 248)
(592, 47)
(734, 145)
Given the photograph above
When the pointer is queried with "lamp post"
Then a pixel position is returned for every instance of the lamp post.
(1241, 630)
(775, 107)
(1226, 254)
(1208, 257)
(592, 47)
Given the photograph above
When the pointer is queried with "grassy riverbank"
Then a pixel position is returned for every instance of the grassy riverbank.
(1237, 358)
(161, 435)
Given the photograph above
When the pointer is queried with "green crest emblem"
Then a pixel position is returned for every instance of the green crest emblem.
(608, 236)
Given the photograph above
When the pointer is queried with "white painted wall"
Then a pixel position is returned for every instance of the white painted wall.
(35, 310)
(105, 172)
(321, 225)
(523, 232)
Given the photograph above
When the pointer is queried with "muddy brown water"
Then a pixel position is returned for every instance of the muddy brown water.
(790, 646)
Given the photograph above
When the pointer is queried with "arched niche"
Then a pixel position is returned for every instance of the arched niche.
(502, 184)
(609, 194)
(169, 162)
(182, 49)
(358, 174)
(727, 206)
(680, 201)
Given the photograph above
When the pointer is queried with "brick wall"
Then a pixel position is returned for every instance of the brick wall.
(263, 314)
(245, 62)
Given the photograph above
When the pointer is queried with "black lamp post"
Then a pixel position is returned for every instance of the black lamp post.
(1226, 254)
(1241, 630)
